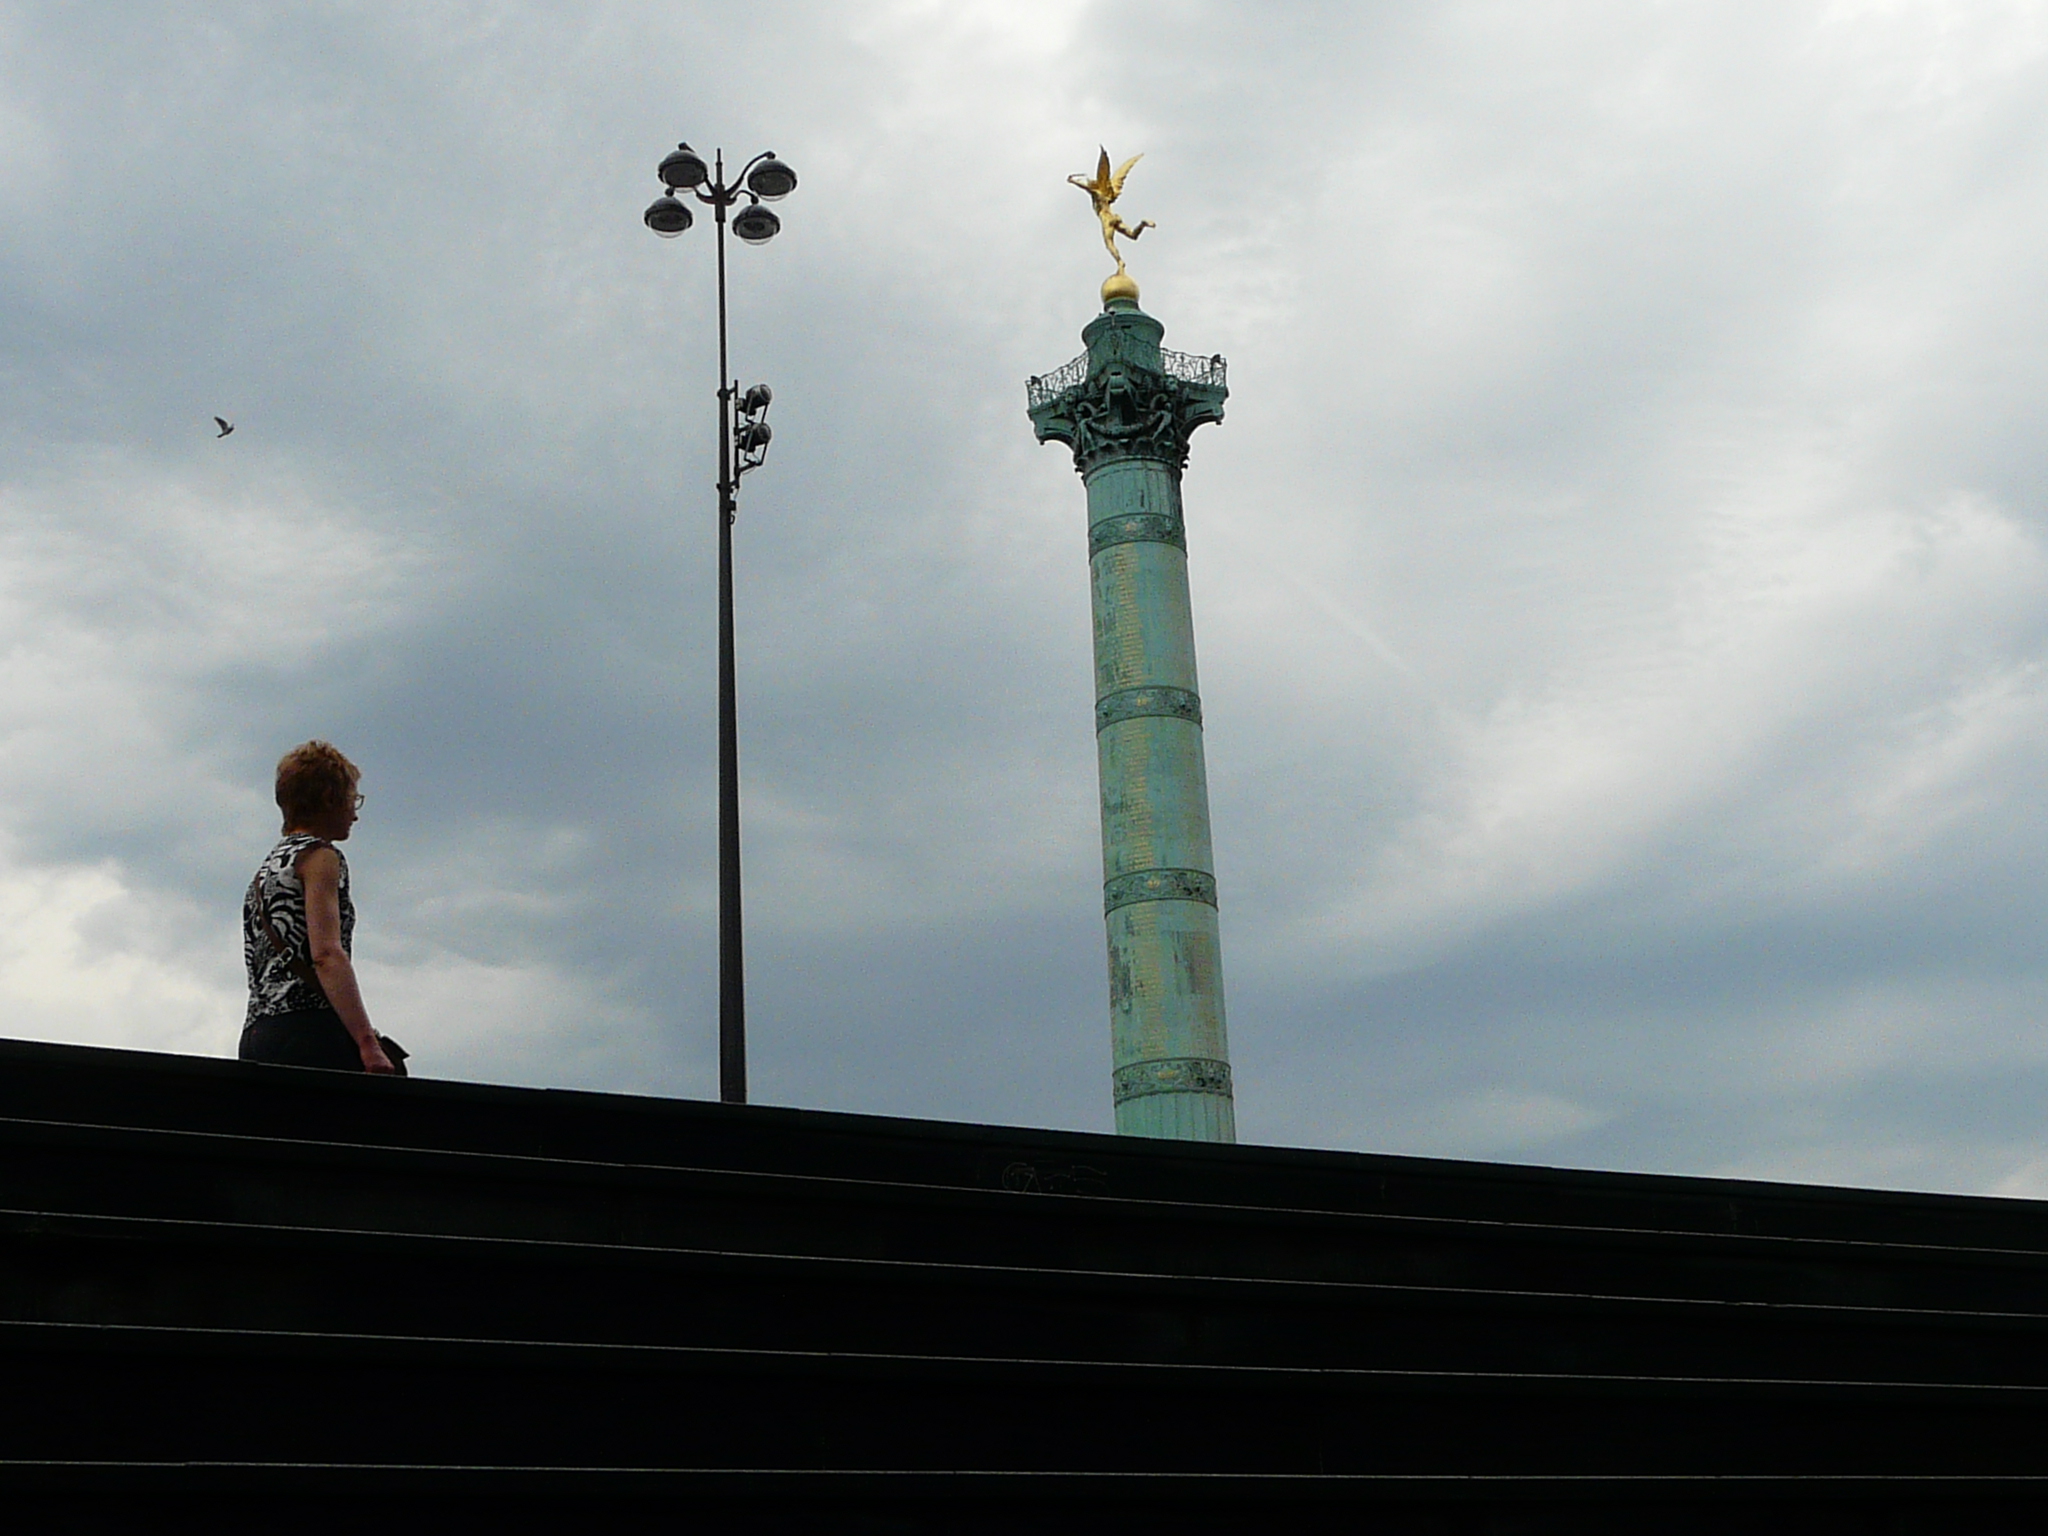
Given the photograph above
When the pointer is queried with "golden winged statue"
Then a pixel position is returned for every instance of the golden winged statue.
(1103, 190)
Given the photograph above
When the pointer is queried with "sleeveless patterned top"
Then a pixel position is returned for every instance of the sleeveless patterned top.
(273, 986)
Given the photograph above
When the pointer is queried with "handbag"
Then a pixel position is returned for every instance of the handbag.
(311, 977)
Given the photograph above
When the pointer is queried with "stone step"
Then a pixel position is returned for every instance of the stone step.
(78, 1085)
(318, 1498)
(280, 1181)
(64, 1267)
(550, 1308)
(268, 1396)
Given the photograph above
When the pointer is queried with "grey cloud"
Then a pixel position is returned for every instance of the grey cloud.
(1619, 581)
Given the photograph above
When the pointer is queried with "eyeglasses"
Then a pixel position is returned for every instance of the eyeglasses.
(357, 800)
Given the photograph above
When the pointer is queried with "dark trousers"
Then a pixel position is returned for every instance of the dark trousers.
(305, 1037)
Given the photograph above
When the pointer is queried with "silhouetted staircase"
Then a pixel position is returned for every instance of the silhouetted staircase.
(254, 1298)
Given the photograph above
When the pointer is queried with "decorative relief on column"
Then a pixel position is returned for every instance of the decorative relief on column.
(1183, 1074)
(1158, 885)
(1133, 703)
(1128, 413)
(1110, 404)
(1137, 528)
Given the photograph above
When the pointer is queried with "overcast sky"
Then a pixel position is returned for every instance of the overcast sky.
(1621, 583)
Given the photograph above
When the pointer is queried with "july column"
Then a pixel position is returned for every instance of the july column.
(1127, 409)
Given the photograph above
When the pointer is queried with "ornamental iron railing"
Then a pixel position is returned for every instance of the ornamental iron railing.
(1047, 387)
(1190, 369)
(1044, 388)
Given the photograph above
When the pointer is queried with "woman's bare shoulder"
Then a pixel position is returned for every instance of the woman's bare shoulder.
(318, 861)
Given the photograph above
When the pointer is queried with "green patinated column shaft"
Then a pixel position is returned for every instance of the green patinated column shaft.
(1127, 408)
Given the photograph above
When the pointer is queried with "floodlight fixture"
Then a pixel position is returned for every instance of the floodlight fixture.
(756, 225)
(771, 179)
(668, 217)
(682, 169)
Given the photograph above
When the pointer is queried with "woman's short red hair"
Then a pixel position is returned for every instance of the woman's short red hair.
(313, 778)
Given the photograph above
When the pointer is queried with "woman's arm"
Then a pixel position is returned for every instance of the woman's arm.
(320, 873)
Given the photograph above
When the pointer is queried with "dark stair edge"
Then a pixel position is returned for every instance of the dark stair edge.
(803, 1482)
(82, 1339)
(44, 1226)
(960, 1155)
(278, 1152)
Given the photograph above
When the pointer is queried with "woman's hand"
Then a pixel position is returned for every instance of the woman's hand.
(374, 1059)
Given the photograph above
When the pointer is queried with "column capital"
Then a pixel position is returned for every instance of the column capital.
(1127, 397)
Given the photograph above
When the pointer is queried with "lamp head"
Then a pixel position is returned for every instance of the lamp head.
(753, 436)
(756, 225)
(771, 179)
(684, 168)
(667, 217)
(756, 399)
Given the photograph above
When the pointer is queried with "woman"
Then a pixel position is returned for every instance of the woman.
(305, 1009)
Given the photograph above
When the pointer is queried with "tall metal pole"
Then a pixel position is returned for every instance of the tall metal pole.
(766, 178)
(732, 984)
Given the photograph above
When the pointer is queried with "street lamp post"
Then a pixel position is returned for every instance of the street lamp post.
(742, 446)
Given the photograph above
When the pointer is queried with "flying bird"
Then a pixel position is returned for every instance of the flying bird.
(225, 426)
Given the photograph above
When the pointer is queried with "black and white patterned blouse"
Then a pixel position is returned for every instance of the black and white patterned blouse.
(273, 987)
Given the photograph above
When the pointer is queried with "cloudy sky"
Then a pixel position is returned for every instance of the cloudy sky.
(1621, 583)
